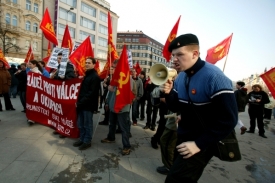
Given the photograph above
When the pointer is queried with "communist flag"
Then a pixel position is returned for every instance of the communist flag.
(49, 51)
(137, 68)
(173, 34)
(112, 54)
(29, 55)
(78, 57)
(4, 60)
(269, 79)
(97, 67)
(67, 40)
(105, 72)
(47, 28)
(121, 79)
(216, 53)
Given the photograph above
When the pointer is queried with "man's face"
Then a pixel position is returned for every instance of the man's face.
(183, 58)
(256, 89)
(41, 64)
(141, 76)
(111, 70)
(89, 64)
(59, 58)
(238, 86)
(134, 73)
(23, 67)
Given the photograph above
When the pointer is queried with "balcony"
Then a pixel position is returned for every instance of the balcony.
(10, 3)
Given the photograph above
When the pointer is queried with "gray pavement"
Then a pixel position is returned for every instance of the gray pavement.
(31, 154)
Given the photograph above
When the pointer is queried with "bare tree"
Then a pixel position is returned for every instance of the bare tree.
(7, 32)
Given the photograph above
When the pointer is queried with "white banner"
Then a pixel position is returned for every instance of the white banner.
(76, 45)
(64, 61)
(52, 63)
(130, 59)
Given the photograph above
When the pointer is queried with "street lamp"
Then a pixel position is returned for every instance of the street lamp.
(68, 13)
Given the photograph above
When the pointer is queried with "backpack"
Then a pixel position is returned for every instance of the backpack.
(155, 96)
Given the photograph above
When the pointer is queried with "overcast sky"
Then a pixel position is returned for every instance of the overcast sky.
(252, 23)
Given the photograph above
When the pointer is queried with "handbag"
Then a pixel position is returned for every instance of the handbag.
(228, 148)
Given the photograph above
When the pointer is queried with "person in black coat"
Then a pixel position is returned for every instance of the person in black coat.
(14, 81)
(21, 75)
(86, 104)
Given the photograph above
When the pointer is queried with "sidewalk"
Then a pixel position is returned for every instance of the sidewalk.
(31, 154)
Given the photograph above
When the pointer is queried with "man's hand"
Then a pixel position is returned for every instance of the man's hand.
(188, 149)
(258, 100)
(178, 118)
(167, 87)
(62, 77)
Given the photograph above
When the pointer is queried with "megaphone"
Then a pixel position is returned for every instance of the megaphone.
(159, 74)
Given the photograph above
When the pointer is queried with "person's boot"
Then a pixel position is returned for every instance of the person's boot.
(154, 143)
(163, 170)
(243, 130)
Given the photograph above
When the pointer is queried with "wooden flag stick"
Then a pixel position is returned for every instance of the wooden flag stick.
(225, 62)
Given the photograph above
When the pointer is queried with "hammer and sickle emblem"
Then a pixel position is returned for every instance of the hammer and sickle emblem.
(121, 81)
(171, 37)
(218, 48)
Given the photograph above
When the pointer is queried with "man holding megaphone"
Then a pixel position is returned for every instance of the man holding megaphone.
(205, 98)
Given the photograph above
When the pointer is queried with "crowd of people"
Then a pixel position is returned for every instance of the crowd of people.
(200, 99)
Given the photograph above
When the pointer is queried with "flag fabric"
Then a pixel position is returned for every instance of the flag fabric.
(269, 79)
(47, 28)
(173, 34)
(29, 55)
(105, 72)
(67, 40)
(112, 54)
(121, 80)
(97, 67)
(4, 60)
(49, 51)
(137, 68)
(78, 57)
(216, 53)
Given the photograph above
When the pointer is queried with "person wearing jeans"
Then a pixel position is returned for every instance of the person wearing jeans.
(86, 104)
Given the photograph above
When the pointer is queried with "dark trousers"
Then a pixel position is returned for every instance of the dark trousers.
(151, 112)
(7, 100)
(123, 120)
(134, 111)
(162, 121)
(188, 170)
(267, 113)
(168, 143)
(256, 113)
(13, 91)
(23, 98)
(141, 104)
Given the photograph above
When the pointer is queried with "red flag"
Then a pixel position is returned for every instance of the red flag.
(97, 67)
(78, 57)
(137, 68)
(173, 34)
(4, 60)
(105, 72)
(29, 55)
(49, 51)
(67, 40)
(216, 53)
(121, 79)
(269, 79)
(47, 28)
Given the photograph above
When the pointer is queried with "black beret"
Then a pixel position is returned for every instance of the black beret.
(60, 53)
(183, 40)
(240, 83)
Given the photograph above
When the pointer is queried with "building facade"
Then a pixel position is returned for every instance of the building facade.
(19, 25)
(145, 50)
(84, 18)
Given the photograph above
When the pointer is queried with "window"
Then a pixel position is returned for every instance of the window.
(102, 54)
(72, 3)
(28, 5)
(87, 23)
(14, 20)
(35, 7)
(70, 16)
(35, 27)
(35, 46)
(61, 30)
(8, 18)
(103, 29)
(103, 17)
(14, 1)
(127, 40)
(28, 25)
(13, 40)
(88, 9)
(135, 40)
(84, 35)
(102, 42)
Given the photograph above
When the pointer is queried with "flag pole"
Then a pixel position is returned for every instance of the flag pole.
(227, 53)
